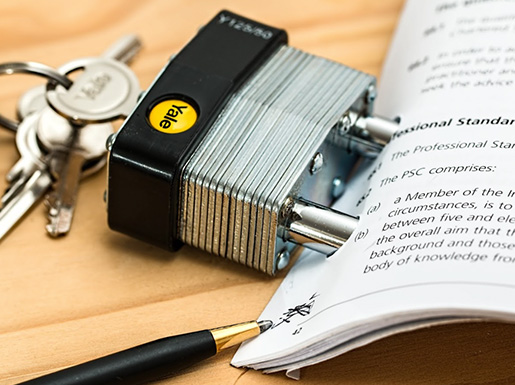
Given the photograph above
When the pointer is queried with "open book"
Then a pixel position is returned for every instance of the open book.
(435, 242)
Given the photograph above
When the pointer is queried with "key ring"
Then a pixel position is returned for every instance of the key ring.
(35, 69)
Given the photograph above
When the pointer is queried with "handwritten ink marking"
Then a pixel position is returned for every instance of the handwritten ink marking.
(299, 310)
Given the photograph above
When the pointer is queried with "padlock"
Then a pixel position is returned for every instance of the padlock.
(240, 145)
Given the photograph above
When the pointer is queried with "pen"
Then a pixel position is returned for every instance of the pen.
(154, 360)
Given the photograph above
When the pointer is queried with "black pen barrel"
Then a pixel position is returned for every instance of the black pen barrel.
(143, 363)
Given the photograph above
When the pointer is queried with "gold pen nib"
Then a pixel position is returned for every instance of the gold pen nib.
(228, 336)
(265, 325)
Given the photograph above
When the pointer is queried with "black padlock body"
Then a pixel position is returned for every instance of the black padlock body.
(145, 165)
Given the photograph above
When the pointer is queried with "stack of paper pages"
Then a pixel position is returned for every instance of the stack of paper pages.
(435, 241)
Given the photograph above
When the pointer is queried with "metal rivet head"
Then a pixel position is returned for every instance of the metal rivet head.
(286, 208)
(343, 125)
(338, 187)
(283, 259)
(110, 142)
(316, 163)
(371, 94)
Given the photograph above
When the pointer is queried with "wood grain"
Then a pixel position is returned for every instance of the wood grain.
(94, 292)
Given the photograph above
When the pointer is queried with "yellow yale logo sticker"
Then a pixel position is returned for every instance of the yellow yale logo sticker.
(172, 116)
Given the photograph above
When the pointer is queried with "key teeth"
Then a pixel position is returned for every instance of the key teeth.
(53, 227)
(59, 217)
(59, 224)
(54, 231)
(51, 203)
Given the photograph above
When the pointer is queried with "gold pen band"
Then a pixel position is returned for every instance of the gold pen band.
(228, 336)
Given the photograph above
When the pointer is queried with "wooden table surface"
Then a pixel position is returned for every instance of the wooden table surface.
(94, 291)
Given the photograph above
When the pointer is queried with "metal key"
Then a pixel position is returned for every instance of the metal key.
(105, 91)
(29, 178)
(31, 160)
(73, 152)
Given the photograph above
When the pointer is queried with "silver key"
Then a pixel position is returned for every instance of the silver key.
(29, 178)
(72, 153)
(105, 91)
(31, 159)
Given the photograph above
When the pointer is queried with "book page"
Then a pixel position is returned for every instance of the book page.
(436, 233)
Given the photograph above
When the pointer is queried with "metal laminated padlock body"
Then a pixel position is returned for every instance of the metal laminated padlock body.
(237, 135)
